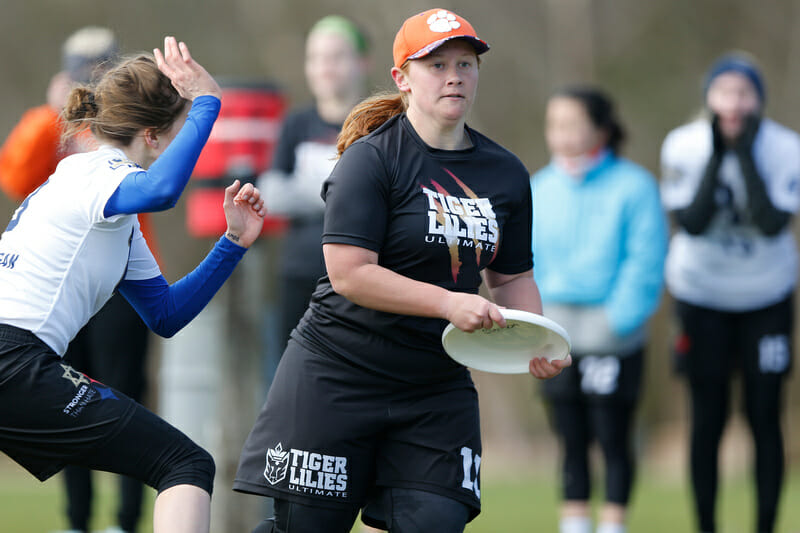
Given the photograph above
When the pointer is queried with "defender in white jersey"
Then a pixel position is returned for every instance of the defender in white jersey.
(75, 241)
(732, 184)
(60, 238)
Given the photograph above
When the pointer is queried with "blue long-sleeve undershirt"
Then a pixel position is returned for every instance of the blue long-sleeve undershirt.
(167, 308)
(159, 187)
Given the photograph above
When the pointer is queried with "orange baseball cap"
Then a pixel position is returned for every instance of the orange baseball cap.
(425, 32)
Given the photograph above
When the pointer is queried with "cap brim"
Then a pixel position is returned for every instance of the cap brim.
(479, 45)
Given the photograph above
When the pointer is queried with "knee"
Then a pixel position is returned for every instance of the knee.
(189, 464)
(417, 510)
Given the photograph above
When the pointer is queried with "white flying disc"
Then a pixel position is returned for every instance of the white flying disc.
(508, 350)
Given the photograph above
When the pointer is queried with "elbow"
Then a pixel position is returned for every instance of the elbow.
(164, 197)
(773, 225)
(166, 333)
(693, 229)
(163, 328)
(692, 222)
(342, 285)
(165, 201)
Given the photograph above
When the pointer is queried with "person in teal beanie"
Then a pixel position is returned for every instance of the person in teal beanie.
(599, 241)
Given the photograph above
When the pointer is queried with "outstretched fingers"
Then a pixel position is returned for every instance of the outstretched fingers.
(188, 77)
(184, 50)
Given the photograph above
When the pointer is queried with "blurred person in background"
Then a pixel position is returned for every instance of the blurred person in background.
(113, 345)
(599, 239)
(336, 65)
(366, 409)
(730, 182)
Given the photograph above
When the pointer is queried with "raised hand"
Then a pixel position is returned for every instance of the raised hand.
(244, 213)
(188, 77)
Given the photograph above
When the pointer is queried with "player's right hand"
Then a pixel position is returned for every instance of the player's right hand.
(469, 312)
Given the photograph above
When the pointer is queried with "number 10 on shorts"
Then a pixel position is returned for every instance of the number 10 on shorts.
(471, 483)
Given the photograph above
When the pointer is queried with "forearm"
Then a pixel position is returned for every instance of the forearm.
(166, 309)
(696, 217)
(630, 308)
(769, 219)
(520, 293)
(376, 287)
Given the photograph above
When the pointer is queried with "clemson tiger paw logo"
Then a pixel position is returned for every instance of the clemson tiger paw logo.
(443, 21)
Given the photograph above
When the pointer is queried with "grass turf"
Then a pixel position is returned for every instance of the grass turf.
(523, 504)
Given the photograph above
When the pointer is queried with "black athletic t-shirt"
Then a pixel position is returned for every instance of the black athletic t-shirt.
(307, 142)
(436, 216)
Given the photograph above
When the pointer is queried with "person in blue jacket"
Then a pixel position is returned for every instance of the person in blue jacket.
(599, 239)
(75, 241)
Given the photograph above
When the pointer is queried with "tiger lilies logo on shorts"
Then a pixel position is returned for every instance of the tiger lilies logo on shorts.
(309, 473)
(277, 464)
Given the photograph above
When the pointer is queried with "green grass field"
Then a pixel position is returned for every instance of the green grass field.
(519, 505)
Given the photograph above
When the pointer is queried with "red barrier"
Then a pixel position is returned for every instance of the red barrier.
(240, 147)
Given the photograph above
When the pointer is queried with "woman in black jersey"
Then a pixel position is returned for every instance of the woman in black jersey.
(366, 409)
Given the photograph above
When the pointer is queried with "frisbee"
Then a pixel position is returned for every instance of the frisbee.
(508, 350)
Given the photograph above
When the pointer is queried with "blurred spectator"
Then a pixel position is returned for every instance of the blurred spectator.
(112, 347)
(730, 181)
(599, 241)
(335, 68)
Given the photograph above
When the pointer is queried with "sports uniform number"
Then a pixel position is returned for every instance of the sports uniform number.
(599, 375)
(468, 460)
(21, 209)
(773, 354)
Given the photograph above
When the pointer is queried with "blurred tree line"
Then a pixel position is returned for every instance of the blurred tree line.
(649, 55)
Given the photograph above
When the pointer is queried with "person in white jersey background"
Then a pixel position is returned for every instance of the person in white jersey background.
(730, 181)
(76, 240)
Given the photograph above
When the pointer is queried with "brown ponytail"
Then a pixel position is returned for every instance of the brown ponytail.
(131, 97)
(367, 116)
(79, 109)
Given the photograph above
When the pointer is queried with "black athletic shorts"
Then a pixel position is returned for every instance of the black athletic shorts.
(51, 416)
(598, 378)
(49, 412)
(714, 344)
(330, 433)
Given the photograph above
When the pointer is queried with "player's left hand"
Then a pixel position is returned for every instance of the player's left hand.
(541, 368)
(244, 213)
(188, 77)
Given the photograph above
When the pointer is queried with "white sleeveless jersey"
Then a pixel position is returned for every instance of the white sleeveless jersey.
(60, 258)
(732, 266)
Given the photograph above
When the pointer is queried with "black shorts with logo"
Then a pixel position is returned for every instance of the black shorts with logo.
(51, 416)
(49, 412)
(598, 378)
(331, 433)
